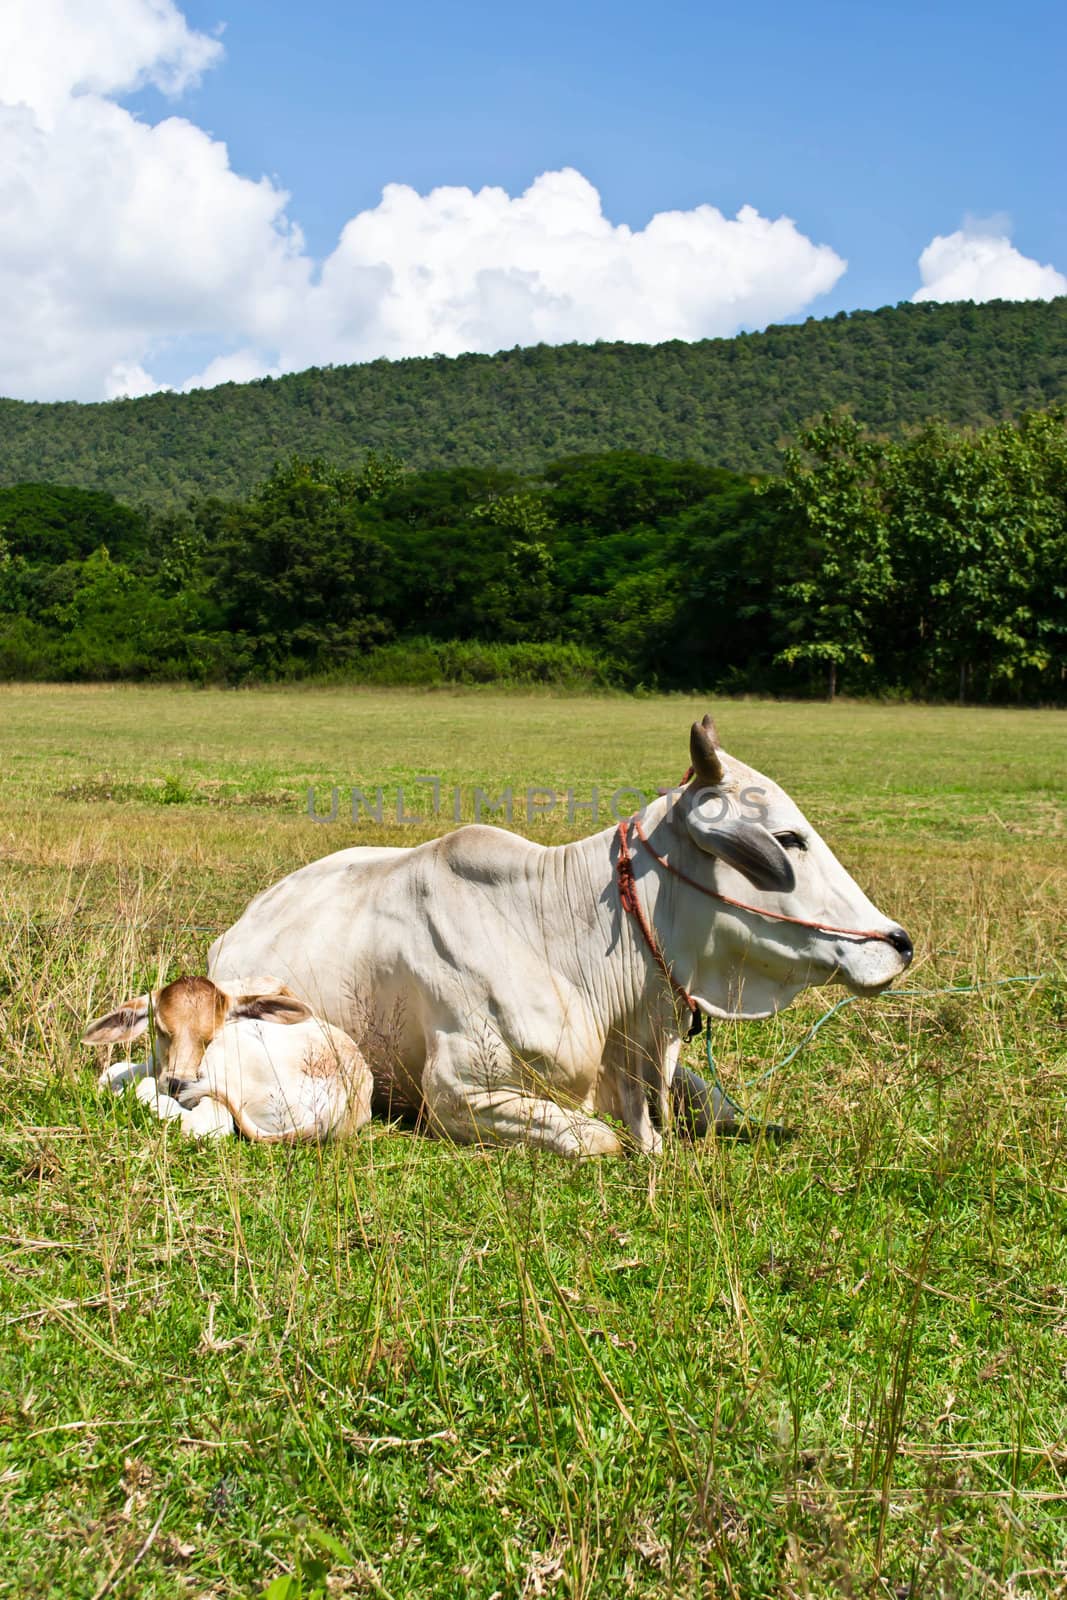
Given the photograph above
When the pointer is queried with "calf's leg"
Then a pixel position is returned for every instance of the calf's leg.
(156, 1099)
(121, 1073)
(208, 1119)
(272, 1104)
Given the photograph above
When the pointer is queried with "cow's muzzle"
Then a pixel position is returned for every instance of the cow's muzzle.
(902, 944)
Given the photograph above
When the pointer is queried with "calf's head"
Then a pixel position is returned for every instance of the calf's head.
(747, 839)
(187, 1014)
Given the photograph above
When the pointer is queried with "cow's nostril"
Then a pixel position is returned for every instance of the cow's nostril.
(900, 941)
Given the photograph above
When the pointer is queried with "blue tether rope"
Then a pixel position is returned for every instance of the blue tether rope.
(889, 994)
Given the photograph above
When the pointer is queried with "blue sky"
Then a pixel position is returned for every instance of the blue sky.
(147, 239)
(875, 127)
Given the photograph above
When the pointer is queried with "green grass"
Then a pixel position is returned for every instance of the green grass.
(397, 1368)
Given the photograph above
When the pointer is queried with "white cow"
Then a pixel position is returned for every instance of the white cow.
(248, 1053)
(500, 987)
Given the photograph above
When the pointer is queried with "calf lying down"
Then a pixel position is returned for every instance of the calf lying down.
(244, 1053)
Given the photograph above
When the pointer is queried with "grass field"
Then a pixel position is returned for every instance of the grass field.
(398, 1368)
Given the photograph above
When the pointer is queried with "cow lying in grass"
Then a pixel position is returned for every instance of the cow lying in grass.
(246, 1053)
(536, 989)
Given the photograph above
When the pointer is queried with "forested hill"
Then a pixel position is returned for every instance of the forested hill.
(726, 402)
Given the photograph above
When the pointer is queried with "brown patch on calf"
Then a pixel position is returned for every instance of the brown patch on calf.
(186, 1014)
(193, 1003)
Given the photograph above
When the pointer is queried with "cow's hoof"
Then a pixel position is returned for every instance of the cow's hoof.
(750, 1132)
(702, 1111)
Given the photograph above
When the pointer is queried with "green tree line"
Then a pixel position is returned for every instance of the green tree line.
(721, 402)
(932, 565)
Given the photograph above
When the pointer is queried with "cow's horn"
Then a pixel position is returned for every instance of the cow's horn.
(708, 723)
(707, 768)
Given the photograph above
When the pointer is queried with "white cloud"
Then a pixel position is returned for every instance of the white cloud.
(55, 48)
(459, 270)
(979, 262)
(128, 380)
(118, 236)
(121, 239)
(240, 366)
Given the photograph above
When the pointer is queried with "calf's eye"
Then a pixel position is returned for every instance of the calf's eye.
(791, 841)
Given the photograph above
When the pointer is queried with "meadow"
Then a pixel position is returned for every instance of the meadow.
(397, 1368)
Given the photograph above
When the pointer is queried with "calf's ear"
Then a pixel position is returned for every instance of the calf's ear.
(746, 846)
(270, 1008)
(130, 1021)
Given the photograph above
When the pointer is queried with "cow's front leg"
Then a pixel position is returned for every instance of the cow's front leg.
(623, 1094)
(701, 1108)
(463, 1104)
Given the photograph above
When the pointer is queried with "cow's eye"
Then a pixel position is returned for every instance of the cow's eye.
(791, 841)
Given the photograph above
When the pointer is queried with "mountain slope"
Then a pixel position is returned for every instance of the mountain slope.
(728, 402)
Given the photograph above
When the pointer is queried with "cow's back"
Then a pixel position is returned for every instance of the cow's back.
(300, 930)
(372, 938)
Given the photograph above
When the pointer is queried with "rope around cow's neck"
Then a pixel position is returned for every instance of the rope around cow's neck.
(630, 901)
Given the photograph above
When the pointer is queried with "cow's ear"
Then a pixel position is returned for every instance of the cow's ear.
(270, 1008)
(130, 1021)
(746, 846)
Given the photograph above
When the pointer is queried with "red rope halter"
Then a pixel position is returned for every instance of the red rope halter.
(631, 903)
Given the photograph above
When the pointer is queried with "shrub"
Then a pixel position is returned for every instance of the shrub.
(421, 662)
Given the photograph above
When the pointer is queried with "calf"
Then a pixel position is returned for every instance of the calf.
(246, 1052)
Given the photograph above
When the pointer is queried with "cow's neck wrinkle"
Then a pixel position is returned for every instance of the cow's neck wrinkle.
(604, 952)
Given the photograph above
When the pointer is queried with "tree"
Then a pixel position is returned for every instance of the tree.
(46, 523)
(834, 494)
(980, 522)
(294, 572)
(9, 576)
